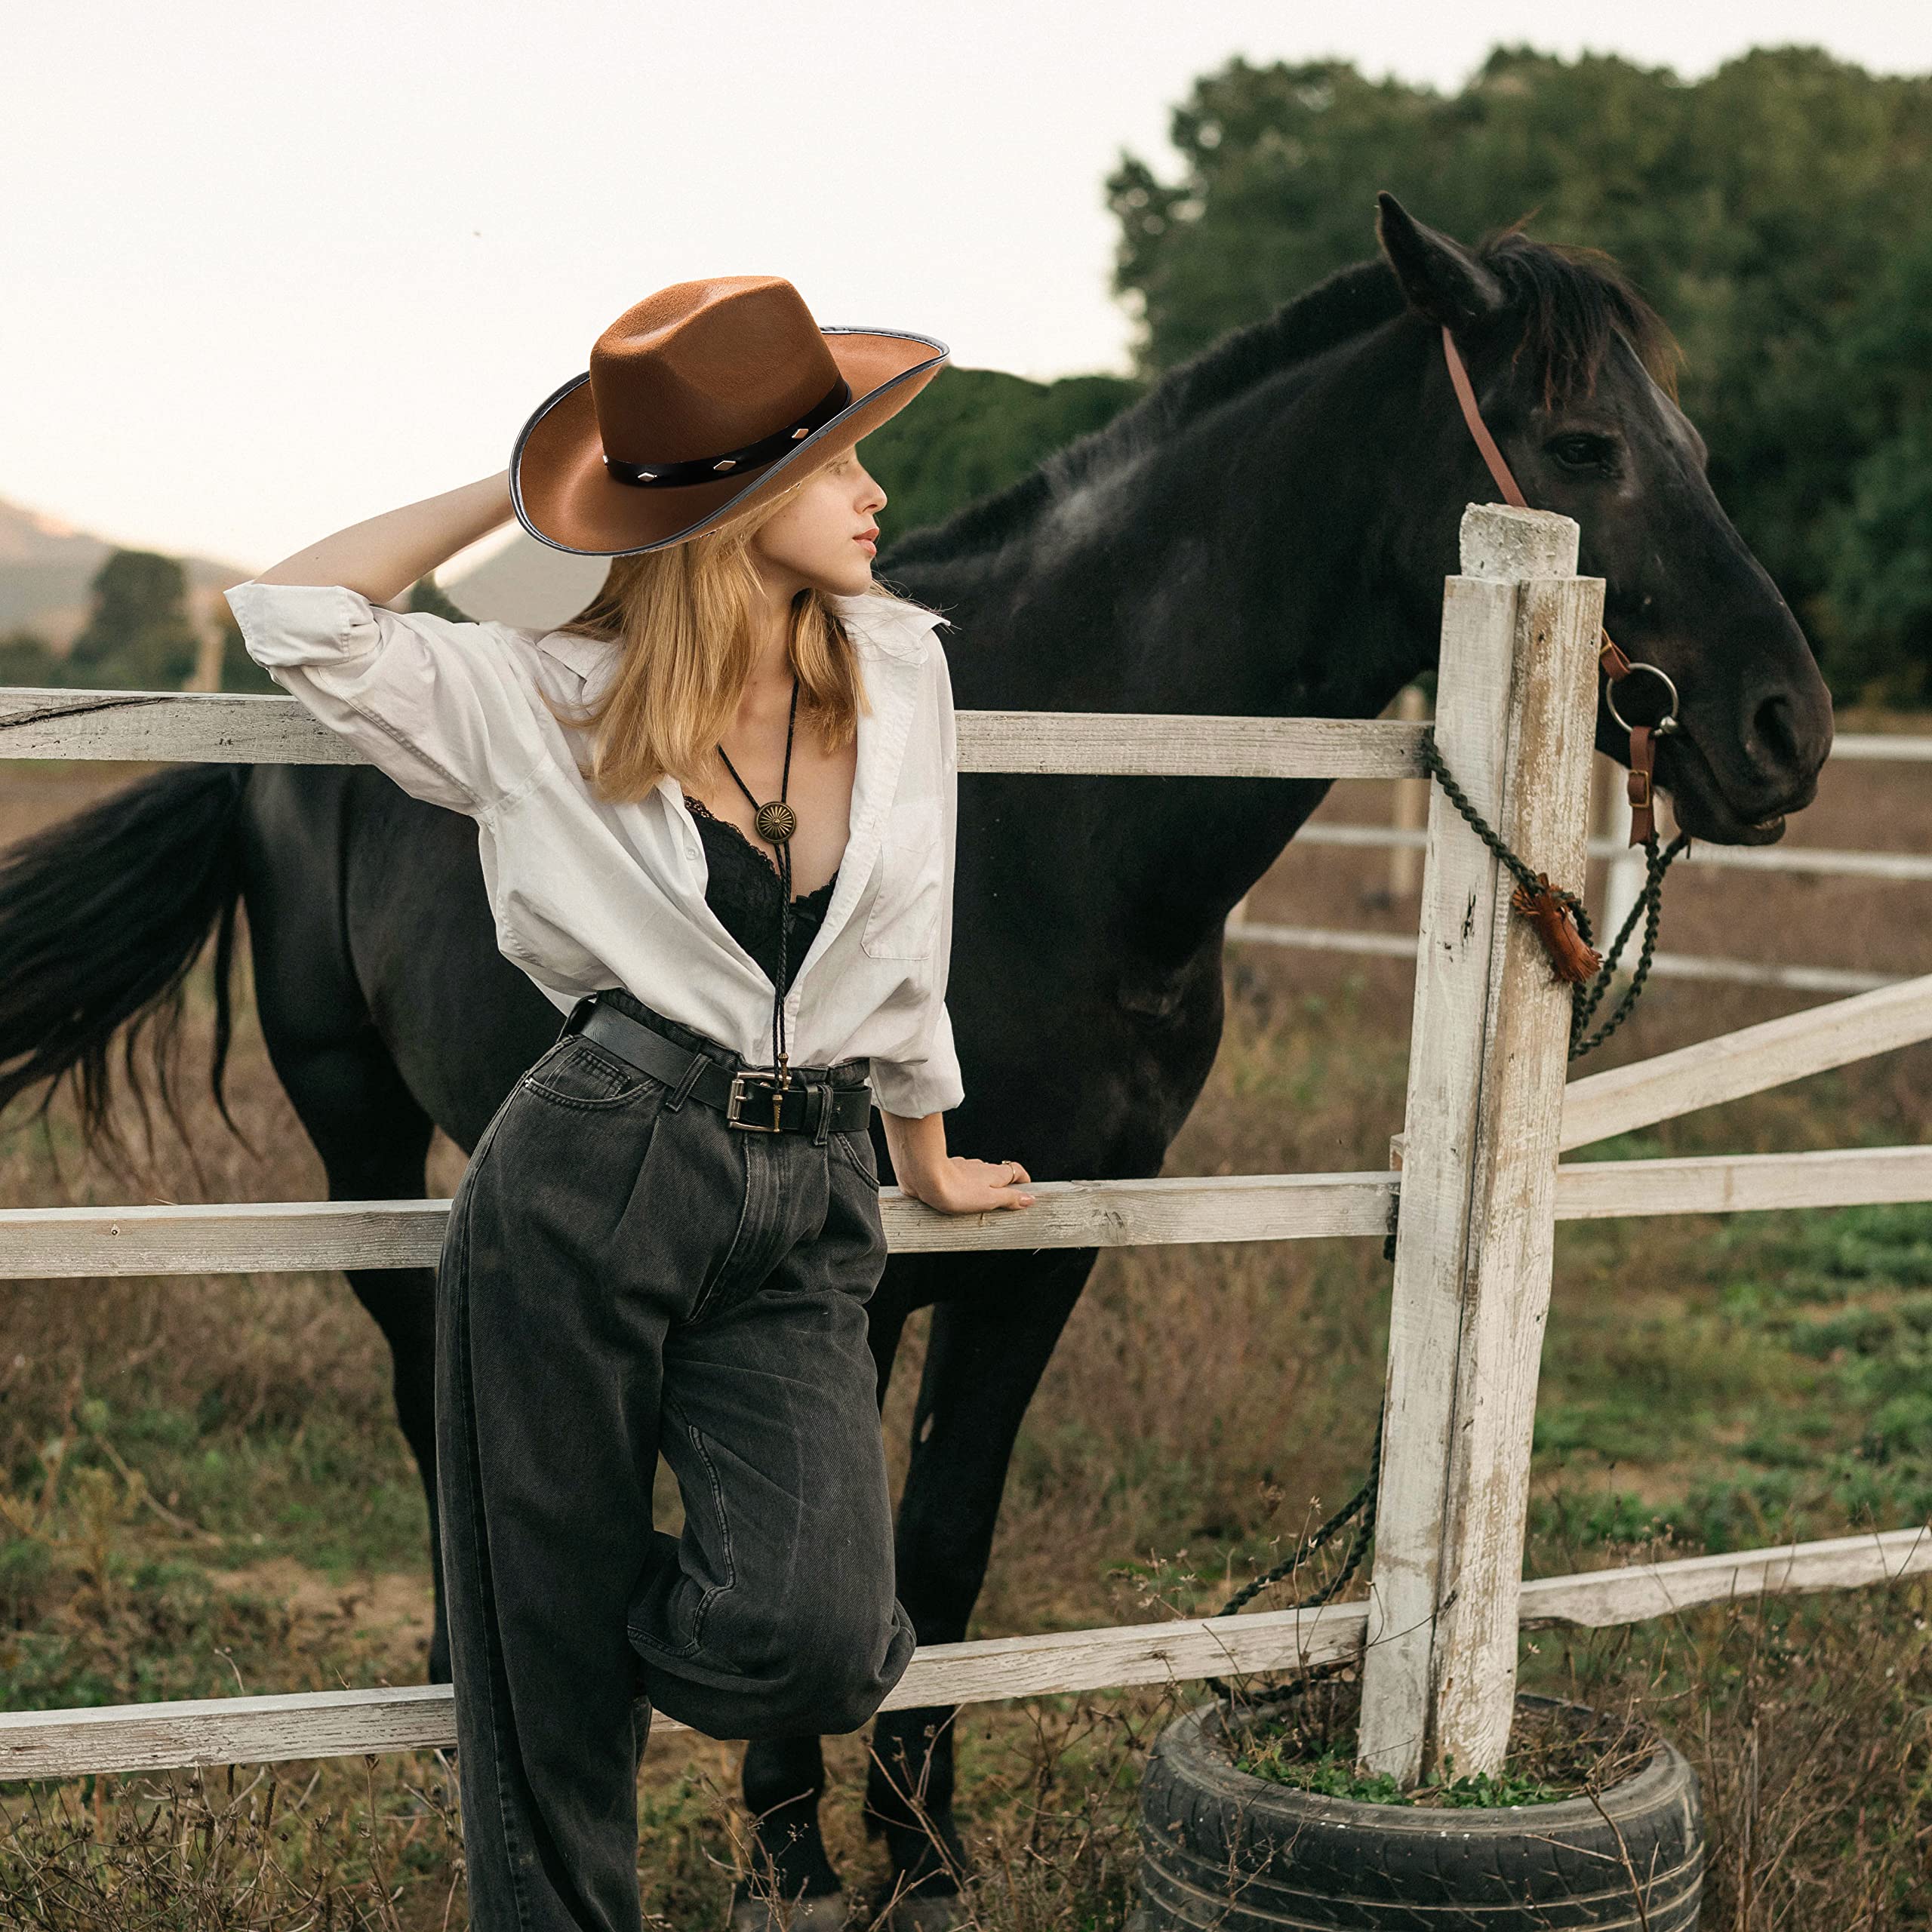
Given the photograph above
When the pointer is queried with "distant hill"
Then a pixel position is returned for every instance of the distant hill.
(47, 564)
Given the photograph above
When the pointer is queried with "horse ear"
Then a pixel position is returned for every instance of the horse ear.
(1442, 280)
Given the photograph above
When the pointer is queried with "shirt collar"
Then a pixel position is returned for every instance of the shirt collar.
(893, 624)
(583, 654)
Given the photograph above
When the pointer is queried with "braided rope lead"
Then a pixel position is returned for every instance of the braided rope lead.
(1588, 996)
(1359, 1510)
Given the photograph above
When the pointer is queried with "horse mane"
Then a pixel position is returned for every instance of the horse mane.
(1572, 302)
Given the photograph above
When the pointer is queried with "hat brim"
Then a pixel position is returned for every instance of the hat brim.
(565, 496)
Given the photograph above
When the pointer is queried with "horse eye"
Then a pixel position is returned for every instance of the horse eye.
(1579, 450)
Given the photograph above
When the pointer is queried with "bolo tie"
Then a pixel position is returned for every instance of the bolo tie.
(777, 822)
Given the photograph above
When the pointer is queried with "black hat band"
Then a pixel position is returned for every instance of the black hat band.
(707, 469)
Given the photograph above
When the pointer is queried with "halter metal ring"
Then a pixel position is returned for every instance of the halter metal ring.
(1665, 725)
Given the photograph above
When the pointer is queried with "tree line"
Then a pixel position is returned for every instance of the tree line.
(1776, 213)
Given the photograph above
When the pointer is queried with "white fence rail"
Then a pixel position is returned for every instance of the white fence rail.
(1884, 747)
(270, 1237)
(1737, 1065)
(324, 1724)
(192, 726)
(1403, 841)
(1663, 966)
(1479, 1191)
(1912, 868)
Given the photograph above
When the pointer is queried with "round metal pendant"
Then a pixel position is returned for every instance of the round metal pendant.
(776, 821)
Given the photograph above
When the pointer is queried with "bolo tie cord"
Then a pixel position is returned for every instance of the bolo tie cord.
(783, 842)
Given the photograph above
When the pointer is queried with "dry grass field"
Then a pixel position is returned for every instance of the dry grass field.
(203, 1491)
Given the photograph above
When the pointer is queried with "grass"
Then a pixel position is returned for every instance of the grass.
(1334, 1774)
(1557, 1751)
(204, 1490)
(1791, 1369)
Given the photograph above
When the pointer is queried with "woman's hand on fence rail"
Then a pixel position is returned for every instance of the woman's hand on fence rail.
(951, 1183)
(960, 1185)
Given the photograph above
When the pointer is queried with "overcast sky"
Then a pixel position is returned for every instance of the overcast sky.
(271, 269)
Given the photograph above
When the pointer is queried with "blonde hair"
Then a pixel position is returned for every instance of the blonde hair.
(682, 620)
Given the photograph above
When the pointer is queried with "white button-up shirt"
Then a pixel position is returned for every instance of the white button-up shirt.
(588, 893)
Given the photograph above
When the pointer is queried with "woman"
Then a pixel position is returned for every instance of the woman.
(665, 1237)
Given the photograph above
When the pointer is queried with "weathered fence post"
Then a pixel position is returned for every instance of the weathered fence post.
(1515, 708)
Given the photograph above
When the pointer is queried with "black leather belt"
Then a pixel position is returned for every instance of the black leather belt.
(750, 1098)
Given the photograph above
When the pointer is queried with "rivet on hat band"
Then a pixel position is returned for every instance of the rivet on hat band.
(704, 469)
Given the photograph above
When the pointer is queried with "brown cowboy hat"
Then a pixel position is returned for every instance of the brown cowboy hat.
(700, 401)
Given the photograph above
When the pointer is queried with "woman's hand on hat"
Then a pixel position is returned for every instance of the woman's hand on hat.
(383, 555)
(957, 1184)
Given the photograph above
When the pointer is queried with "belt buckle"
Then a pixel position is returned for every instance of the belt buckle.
(769, 1081)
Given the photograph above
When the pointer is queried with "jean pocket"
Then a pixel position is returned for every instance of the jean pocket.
(855, 1148)
(577, 1073)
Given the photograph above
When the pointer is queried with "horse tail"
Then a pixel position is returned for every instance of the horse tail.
(102, 917)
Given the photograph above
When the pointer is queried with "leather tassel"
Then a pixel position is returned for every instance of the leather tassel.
(1571, 958)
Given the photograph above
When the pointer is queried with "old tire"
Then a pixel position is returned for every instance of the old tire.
(1223, 1849)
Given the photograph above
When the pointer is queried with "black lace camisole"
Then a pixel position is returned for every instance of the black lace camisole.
(743, 888)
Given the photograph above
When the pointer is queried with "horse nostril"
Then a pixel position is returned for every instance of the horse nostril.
(1775, 726)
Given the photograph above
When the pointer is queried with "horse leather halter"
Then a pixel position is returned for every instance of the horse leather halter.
(1641, 786)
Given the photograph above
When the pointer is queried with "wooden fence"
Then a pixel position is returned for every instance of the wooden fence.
(1479, 1188)
(1403, 838)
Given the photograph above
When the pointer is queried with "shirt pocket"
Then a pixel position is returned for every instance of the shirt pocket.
(903, 922)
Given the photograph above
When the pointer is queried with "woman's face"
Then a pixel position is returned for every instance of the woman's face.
(826, 535)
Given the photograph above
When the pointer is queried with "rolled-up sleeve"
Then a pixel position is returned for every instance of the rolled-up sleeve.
(442, 707)
(924, 1078)
(930, 1084)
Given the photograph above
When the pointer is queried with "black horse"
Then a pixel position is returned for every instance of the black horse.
(1266, 533)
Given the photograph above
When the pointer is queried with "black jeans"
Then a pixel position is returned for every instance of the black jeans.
(621, 1277)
